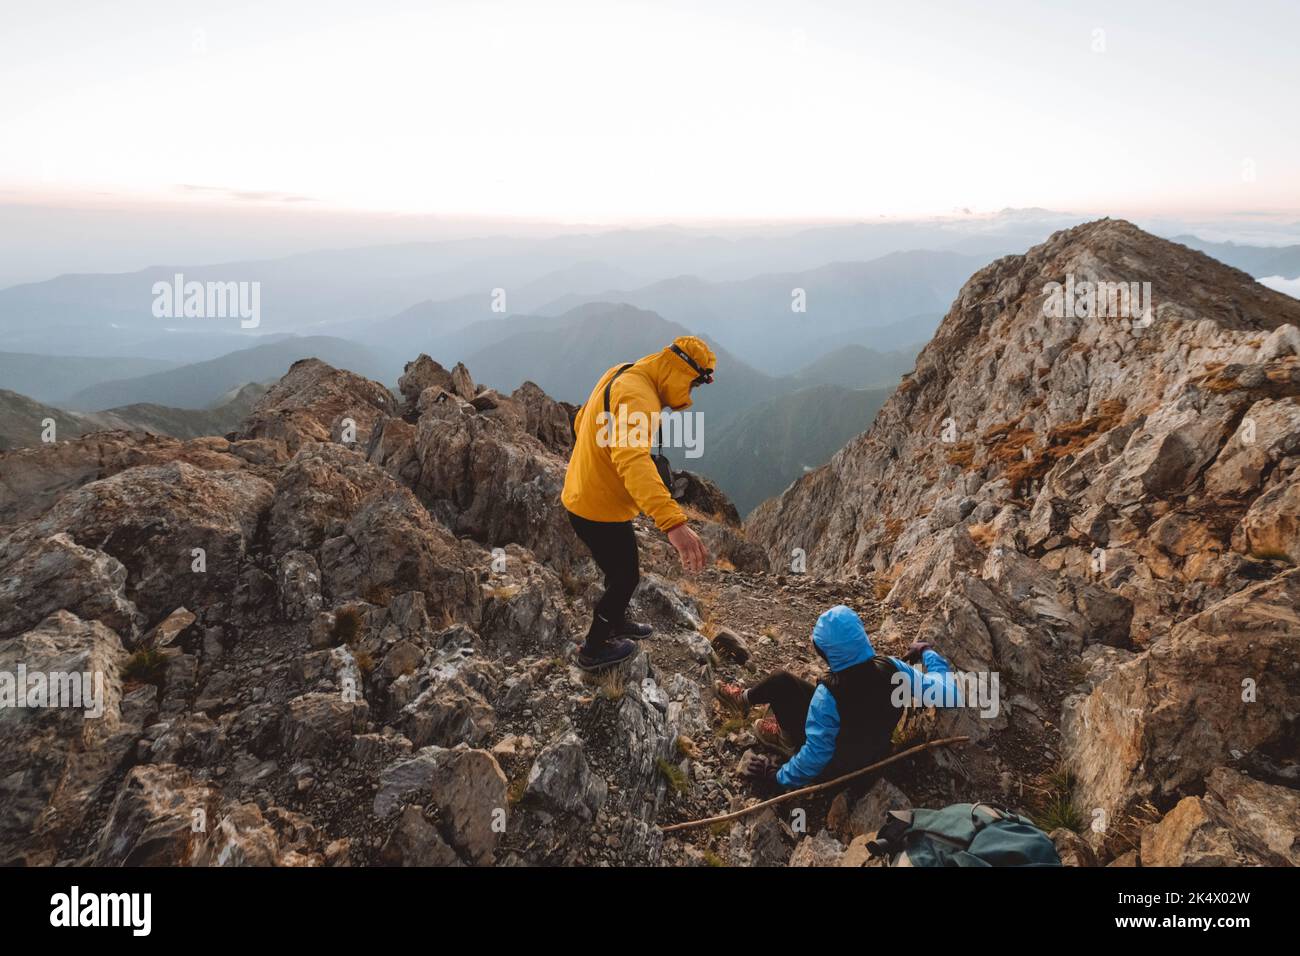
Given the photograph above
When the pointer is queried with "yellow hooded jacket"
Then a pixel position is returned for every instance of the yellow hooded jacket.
(615, 480)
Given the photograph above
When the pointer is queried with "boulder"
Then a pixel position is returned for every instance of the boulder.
(819, 850)
(56, 761)
(182, 533)
(160, 817)
(40, 575)
(561, 781)
(1226, 679)
(315, 402)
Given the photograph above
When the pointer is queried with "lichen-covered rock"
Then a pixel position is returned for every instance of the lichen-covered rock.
(316, 402)
(1227, 679)
(55, 761)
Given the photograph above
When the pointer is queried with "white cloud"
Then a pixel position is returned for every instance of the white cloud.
(1282, 284)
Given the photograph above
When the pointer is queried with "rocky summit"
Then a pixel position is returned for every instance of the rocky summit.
(343, 633)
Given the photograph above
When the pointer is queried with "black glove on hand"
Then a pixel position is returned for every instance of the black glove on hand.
(759, 769)
(916, 650)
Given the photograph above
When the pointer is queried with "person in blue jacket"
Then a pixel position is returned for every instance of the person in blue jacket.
(844, 722)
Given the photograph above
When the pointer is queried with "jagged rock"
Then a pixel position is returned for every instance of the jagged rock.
(55, 761)
(313, 402)
(166, 631)
(32, 479)
(423, 373)
(819, 850)
(160, 817)
(526, 611)
(469, 791)
(760, 840)
(461, 383)
(42, 575)
(416, 842)
(390, 542)
(298, 584)
(547, 420)
(1072, 848)
(1271, 528)
(1268, 432)
(869, 812)
(561, 780)
(703, 494)
(661, 599)
(727, 544)
(1239, 822)
(152, 519)
(1227, 678)
(318, 723)
(483, 479)
(1003, 396)
(248, 836)
(446, 700)
(466, 786)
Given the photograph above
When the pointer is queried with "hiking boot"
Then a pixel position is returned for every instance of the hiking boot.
(606, 654)
(633, 629)
(768, 732)
(733, 695)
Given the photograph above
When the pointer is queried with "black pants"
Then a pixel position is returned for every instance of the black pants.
(789, 697)
(613, 545)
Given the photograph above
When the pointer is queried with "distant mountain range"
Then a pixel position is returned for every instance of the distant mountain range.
(23, 420)
(775, 321)
(200, 384)
(760, 452)
(1259, 261)
(333, 292)
(56, 378)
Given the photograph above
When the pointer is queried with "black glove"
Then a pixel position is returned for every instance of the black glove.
(759, 769)
(916, 650)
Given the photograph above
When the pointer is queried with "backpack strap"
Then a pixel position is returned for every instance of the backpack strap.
(659, 435)
(610, 384)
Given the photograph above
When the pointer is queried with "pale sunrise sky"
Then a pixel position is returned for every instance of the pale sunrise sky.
(610, 111)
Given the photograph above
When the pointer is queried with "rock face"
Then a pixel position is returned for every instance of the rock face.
(57, 760)
(307, 636)
(344, 635)
(1058, 477)
(562, 781)
(315, 402)
(1237, 822)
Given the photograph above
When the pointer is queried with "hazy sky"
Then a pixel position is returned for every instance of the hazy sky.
(608, 110)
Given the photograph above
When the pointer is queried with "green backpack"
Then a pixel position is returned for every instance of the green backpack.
(964, 834)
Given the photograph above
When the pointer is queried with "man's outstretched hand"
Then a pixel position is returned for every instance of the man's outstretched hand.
(693, 553)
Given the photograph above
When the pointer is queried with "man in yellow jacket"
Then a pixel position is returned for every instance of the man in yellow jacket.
(612, 478)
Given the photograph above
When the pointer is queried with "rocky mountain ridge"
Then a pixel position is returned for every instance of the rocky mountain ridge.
(342, 633)
(1104, 509)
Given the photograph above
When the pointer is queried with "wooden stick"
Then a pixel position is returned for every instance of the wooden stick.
(690, 824)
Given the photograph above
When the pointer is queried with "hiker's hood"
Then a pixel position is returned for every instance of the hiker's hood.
(842, 639)
(671, 376)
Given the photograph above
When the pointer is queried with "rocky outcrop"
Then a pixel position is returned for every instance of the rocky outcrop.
(1054, 480)
(63, 741)
(316, 402)
(1238, 822)
(1225, 680)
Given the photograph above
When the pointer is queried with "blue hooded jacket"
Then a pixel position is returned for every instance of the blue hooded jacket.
(844, 642)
